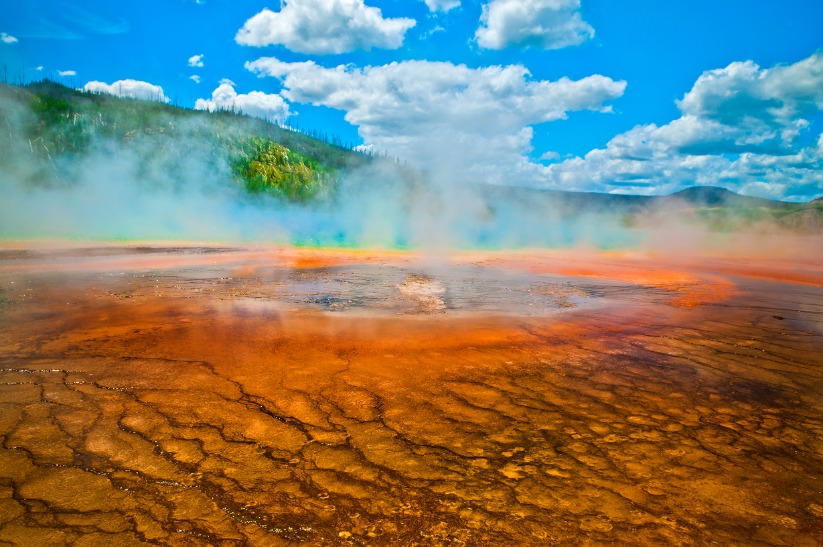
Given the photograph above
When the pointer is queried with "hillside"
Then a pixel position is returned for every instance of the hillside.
(50, 126)
(717, 208)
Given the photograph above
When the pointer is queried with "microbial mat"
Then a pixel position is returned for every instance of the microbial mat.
(205, 395)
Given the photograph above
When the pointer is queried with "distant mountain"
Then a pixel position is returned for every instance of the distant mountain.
(696, 196)
(566, 202)
(715, 196)
(715, 207)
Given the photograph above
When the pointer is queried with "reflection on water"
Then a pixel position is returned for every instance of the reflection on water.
(241, 397)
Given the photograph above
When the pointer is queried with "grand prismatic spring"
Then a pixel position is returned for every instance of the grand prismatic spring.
(205, 395)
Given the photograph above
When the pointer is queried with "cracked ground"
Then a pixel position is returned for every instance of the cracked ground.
(219, 396)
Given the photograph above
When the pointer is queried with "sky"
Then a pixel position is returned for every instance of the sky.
(635, 96)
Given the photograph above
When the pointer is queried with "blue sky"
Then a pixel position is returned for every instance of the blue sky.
(636, 96)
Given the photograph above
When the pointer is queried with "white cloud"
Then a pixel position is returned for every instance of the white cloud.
(65, 73)
(365, 148)
(442, 5)
(457, 120)
(195, 78)
(324, 26)
(7, 38)
(39, 68)
(433, 31)
(134, 89)
(196, 61)
(256, 103)
(739, 128)
(546, 24)
(760, 108)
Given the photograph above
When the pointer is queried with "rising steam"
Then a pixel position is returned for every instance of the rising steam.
(180, 189)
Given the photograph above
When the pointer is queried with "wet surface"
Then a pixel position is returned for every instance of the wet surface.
(203, 396)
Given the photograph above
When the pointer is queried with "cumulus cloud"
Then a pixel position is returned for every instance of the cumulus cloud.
(739, 128)
(195, 78)
(463, 122)
(757, 108)
(8, 38)
(134, 89)
(196, 61)
(65, 73)
(442, 5)
(256, 103)
(546, 24)
(324, 26)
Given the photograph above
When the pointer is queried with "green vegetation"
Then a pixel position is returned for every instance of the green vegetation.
(714, 208)
(48, 125)
(803, 217)
(268, 167)
(723, 211)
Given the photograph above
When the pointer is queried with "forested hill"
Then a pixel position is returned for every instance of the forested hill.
(48, 128)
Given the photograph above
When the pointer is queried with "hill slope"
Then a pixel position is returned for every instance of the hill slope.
(714, 207)
(50, 127)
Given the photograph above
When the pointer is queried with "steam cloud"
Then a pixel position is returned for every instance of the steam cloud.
(180, 190)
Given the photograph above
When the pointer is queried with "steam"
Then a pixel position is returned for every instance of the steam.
(182, 190)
